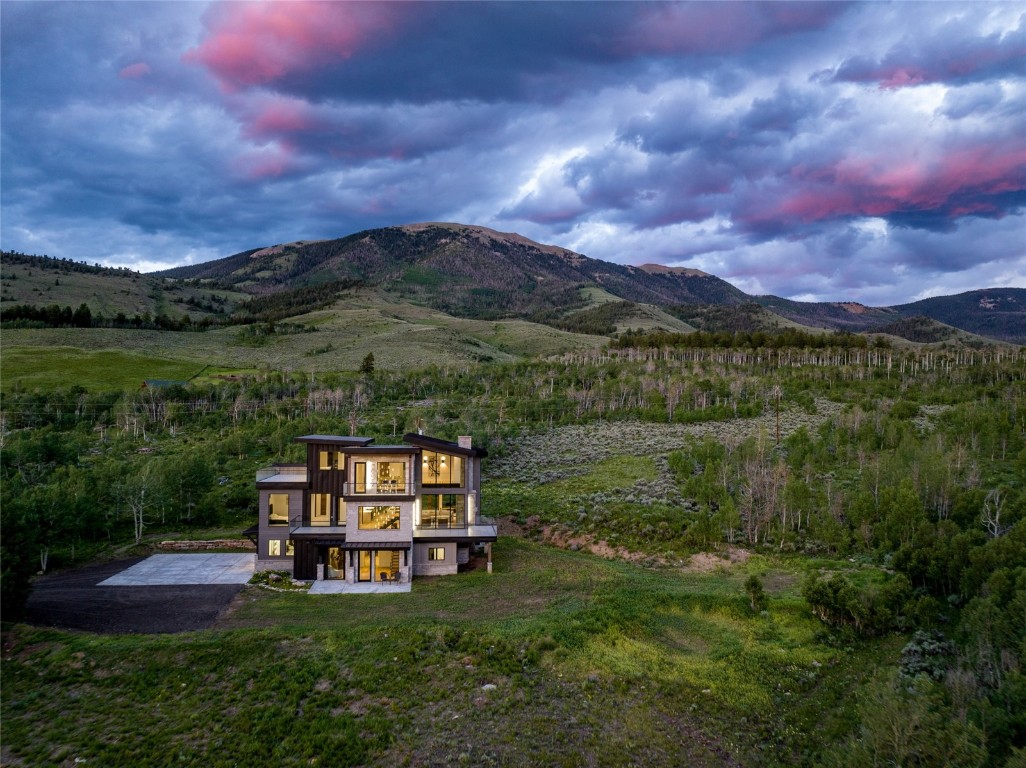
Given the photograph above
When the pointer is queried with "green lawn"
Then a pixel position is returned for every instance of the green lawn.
(557, 658)
(48, 368)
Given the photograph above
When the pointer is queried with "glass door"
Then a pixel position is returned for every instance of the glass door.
(366, 566)
(336, 564)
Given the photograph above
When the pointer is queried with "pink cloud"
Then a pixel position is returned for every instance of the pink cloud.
(946, 57)
(965, 181)
(901, 78)
(135, 71)
(257, 43)
(279, 116)
(271, 162)
(723, 27)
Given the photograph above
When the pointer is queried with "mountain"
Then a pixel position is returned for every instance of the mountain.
(996, 313)
(464, 270)
(476, 273)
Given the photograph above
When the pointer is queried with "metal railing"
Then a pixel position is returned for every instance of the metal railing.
(441, 524)
(290, 473)
(380, 488)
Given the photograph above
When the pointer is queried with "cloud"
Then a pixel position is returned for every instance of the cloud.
(136, 70)
(252, 43)
(948, 55)
(971, 100)
(739, 138)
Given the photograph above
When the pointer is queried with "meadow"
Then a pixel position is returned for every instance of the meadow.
(401, 336)
(557, 658)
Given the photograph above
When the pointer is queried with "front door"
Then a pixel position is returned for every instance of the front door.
(366, 565)
(335, 566)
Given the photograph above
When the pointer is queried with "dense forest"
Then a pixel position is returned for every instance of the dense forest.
(913, 460)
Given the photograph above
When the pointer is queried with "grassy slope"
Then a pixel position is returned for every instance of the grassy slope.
(104, 293)
(593, 662)
(400, 335)
(646, 317)
(51, 367)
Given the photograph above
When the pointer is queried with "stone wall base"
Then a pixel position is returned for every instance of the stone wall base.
(193, 546)
(273, 565)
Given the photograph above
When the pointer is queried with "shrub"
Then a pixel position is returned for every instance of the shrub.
(756, 594)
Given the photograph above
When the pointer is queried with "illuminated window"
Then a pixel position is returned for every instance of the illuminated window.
(440, 470)
(341, 511)
(379, 477)
(274, 548)
(290, 548)
(278, 508)
(331, 460)
(443, 510)
(436, 553)
(379, 518)
(320, 508)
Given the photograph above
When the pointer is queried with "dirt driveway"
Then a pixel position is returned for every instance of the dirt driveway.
(72, 600)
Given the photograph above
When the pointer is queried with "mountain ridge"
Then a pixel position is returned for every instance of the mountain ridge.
(479, 272)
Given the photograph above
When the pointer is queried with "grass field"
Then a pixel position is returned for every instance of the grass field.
(558, 658)
(51, 367)
(401, 336)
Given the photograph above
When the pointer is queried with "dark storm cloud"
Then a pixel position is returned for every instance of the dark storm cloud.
(740, 138)
(501, 51)
(949, 55)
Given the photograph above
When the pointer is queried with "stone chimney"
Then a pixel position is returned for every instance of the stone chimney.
(464, 442)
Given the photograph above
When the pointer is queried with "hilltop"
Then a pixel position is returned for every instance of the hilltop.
(472, 273)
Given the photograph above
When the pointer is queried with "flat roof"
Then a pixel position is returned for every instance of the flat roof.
(437, 444)
(336, 439)
(368, 450)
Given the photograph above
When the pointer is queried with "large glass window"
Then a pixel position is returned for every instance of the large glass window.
(320, 509)
(440, 470)
(375, 477)
(278, 508)
(443, 510)
(332, 460)
(379, 518)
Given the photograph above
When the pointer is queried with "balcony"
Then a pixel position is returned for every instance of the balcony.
(381, 488)
(282, 473)
(297, 527)
(483, 527)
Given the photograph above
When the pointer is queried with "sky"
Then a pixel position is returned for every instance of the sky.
(870, 152)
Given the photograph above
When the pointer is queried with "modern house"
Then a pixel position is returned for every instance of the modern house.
(373, 513)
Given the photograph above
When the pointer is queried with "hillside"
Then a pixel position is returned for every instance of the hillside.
(998, 313)
(995, 313)
(41, 281)
(466, 271)
(479, 274)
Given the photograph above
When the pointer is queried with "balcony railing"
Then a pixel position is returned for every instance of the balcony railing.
(282, 473)
(479, 526)
(381, 488)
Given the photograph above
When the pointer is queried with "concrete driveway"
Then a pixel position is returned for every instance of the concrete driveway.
(169, 570)
(79, 599)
